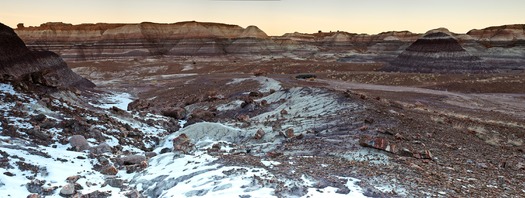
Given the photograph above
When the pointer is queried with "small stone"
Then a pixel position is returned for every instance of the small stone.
(255, 94)
(243, 118)
(284, 112)
(34, 196)
(415, 166)
(289, 133)
(73, 179)
(259, 134)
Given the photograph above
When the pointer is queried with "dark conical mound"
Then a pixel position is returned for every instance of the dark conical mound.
(436, 51)
(46, 68)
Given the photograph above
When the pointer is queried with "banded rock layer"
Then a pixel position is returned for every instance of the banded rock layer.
(436, 51)
(92, 41)
(101, 40)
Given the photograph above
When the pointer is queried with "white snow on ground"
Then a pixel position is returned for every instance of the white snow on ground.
(7, 88)
(57, 171)
(266, 83)
(351, 184)
(198, 175)
(120, 100)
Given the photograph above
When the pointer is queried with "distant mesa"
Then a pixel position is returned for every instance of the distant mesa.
(45, 68)
(437, 51)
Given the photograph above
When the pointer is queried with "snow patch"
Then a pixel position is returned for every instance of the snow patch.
(120, 100)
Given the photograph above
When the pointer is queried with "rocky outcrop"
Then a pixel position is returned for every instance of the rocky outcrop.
(45, 68)
(436, 51)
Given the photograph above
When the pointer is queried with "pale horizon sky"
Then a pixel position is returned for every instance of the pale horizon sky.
(276, 17)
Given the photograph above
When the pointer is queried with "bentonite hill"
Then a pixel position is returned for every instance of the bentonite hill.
(194, 109)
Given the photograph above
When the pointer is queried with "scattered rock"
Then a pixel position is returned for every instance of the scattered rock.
(39, 118)
(133, 194)
(284, 112)
(67, 190)
(243, 118)
(176, 112)
(79, 143)
(150, 154)
(101, 148)
(246, 101)
(259, 134)
(289, 133)
(183, 144)
(109, 170)
(363, 128)
(97, 194)
(114, 182)
(117, 110)
(415, 166)
(202, 115)
(369, 120)
(33, 196)
(256, 94)
(73, 179)
(377, 143)
(131, 160)
(35, 186)
(138, 105)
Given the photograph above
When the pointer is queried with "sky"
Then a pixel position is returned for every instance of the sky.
(276, 17)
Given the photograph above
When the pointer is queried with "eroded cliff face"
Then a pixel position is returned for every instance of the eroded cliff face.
(92, 41)
(18, 63)
(99, 41)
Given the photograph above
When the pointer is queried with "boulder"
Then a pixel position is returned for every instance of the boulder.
(183, 144)
(67, 190)
(202, 115)
(138, 105)
(175, 112)
(79, 143)
(101, 148)
(131, 160)
(109, 170)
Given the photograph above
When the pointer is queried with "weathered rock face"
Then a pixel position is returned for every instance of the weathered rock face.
(92, 41)
(46, 68)
(437, 51)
